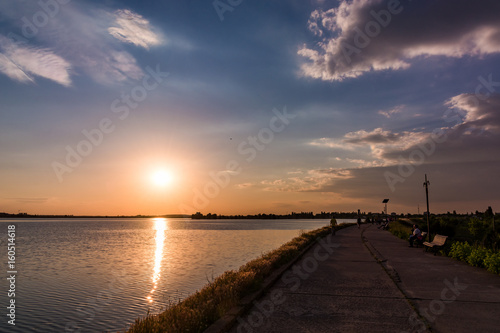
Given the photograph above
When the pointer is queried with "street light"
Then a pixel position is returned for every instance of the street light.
(385, 201)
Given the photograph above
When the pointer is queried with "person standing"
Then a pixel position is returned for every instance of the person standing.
(333, 224)
(359, 219)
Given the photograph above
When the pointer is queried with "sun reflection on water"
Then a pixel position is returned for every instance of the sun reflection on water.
(160, 225)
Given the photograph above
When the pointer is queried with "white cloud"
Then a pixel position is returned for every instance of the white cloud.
(78, 40)
(376, 143)
(21, 62)
(357, 38)
(134, 29)
(306, 180)
(9, 68)
(477, 114)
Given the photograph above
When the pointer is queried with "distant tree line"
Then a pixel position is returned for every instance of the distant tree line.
(292, 215)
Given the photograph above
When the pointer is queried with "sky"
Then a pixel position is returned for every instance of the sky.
(245, 107)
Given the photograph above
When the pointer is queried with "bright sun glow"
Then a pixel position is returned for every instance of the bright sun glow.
(161, 178)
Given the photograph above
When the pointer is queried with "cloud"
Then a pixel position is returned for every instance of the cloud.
(389, 113)
(360, 36)
(78, 39)
(483, 115)
(468, 146)
(30, 200)
(449, 188)
(21, 62)
(471, 132)
(376, 141)
(305, 181)
(134, 29)
(243, 186)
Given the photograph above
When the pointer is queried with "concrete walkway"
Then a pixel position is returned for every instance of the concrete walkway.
(367, 280)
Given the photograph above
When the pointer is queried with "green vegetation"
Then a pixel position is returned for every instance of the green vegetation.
(474, 239)
(477, 256)
(400, 229)
(203, 308)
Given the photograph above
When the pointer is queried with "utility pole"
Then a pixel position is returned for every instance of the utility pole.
(426, 184)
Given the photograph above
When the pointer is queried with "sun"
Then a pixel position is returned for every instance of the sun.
(161, 178)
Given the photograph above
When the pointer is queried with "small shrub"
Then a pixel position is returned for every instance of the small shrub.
(492, 262)
(477, 256)
(460, 251)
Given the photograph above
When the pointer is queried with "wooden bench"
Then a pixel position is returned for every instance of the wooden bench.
(436, 243)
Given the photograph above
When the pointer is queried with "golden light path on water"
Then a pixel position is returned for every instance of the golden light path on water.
(160, 225)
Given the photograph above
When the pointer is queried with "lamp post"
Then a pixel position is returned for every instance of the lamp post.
(385, 201)
(426, 184)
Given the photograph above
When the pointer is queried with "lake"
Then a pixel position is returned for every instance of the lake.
(100, 274)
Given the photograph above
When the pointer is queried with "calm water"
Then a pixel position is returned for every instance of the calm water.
(93, 275)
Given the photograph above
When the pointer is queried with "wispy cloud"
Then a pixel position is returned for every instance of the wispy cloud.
(428, 28)
(30, 200)
(376, 141)
(305, 180)
(134, 29)
(22, 62)
(79, 40)
(391, 112)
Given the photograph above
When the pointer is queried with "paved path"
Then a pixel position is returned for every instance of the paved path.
(367, 280)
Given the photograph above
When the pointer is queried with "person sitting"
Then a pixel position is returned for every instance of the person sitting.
(416, 233)
(384, 224)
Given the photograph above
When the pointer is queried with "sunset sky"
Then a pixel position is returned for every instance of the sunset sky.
(241, 107)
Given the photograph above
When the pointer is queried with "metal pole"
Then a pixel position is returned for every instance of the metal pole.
(426, 184)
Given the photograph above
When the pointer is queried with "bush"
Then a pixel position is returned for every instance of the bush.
(460, 251)
(477, 256)
(478, 229)
(492, 262)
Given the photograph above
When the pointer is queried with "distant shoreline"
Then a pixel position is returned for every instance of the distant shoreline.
(293, 216)
(209, 216)
(24, 216)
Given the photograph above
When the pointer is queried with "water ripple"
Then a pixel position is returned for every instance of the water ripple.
(97, 274)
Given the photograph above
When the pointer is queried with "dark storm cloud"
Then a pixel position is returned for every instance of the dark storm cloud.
(373, 35)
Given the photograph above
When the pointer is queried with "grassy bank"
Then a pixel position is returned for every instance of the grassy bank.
(205, 307)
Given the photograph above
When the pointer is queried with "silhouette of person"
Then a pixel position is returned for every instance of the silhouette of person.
(333, 224)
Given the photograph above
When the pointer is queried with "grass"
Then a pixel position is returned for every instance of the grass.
(400, 230)
(203, 308)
